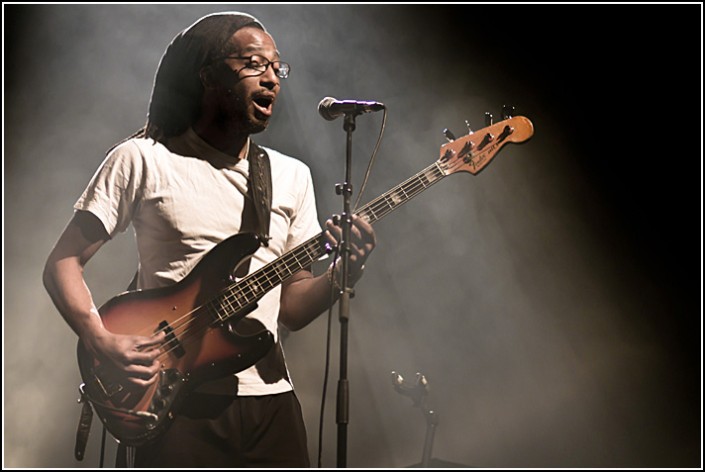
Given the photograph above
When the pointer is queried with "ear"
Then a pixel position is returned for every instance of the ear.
(208, 77)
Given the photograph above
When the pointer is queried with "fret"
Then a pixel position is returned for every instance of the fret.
(227, 305)
(296, 259)
(369, 218)
(263, 283)
(277, 271)
(226, 308)
(410, 187)
(215, 311)
(281, 269)
(404, 192)
(240, 299)
(388, 200)
(308, 254)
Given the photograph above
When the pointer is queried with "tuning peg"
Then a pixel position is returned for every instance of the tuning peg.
(507, 111)
(397, 379)
(449, 135)
(470, 131)
(488, 119)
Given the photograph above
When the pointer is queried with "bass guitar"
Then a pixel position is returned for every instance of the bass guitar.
(207, 335)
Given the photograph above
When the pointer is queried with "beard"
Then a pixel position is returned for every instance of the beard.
(236, 115)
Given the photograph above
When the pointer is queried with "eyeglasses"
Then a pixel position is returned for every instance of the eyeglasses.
(257, 65)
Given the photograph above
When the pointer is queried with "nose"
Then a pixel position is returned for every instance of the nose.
(269, 78)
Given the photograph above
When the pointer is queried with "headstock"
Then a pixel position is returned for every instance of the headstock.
(472, 152)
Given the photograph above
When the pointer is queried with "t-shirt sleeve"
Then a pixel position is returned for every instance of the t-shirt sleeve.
(112, 192)
(305, 223)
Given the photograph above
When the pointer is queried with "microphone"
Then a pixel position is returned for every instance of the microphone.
(330, 108)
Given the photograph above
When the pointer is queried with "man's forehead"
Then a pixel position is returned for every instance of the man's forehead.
(250, 40)
(252, 49)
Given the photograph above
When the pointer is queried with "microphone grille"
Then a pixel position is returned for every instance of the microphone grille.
(324, 108)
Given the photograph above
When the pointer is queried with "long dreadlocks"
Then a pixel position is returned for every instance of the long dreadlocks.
(177, 90)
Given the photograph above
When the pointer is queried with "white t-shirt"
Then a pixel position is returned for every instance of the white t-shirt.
(182, 205)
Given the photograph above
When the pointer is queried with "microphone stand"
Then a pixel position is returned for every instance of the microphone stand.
(343, 397)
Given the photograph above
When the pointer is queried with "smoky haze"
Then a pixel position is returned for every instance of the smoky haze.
(552, 301)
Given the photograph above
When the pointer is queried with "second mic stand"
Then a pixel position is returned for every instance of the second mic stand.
(419, 394)
(343, 397)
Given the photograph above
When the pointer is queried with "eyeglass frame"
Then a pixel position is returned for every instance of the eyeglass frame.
(266, 64)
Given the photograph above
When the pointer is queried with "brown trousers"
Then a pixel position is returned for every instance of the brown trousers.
(221, 431)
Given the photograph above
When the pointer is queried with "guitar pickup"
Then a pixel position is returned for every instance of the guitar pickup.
(172, 344)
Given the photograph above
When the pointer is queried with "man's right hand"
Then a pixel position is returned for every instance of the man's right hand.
(135, 356)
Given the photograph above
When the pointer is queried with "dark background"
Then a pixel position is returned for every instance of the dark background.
(553, 301)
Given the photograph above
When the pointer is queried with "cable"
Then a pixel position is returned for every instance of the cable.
(372, 159)
(327, 364)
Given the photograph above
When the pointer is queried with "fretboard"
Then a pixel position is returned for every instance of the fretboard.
(402, 193)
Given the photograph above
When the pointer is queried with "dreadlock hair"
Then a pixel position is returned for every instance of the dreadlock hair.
(177, 90)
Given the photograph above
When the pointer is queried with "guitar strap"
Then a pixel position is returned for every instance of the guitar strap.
(84, 427)
(260, 189)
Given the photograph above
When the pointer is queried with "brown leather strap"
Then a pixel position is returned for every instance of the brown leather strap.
(261, 188)
(84, 427)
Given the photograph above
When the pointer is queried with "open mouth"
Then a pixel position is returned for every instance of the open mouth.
(263, 105)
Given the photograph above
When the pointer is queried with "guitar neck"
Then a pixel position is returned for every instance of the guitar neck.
(402, 193)
(251, 288)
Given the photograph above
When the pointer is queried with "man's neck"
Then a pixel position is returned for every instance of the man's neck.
(232, 144)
